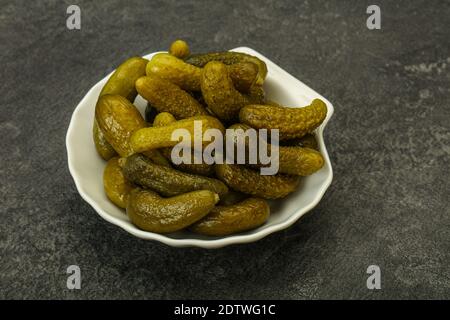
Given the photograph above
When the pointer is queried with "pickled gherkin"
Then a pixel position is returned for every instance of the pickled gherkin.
(249, 181)
(160, 137)
(117, 187)
(164, 119)
(291, 122)
(179, 49)
(167, 181)
(118, 118)
(121, 82)
(228, 57)
(219, 92)
(103, 147)
(188, 77)
(225, 220)
(291, 159)
(150, 212)
(165, 96)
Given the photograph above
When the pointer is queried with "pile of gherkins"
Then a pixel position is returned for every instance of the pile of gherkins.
(222, 89)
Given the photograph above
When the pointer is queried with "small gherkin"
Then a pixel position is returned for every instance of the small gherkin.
(291, 122)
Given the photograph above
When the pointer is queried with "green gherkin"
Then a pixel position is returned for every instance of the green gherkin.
(224, 220)
(292, 160)
(121, 83)
(117, 187)
(228, 58)
(148, 211)
(118, 118)
(291, 122)
(219, 93)
(188, 77)
(103, 147)
(122, 80)
(203, 169)
(165, 96)
(249, 181)
(167, 181)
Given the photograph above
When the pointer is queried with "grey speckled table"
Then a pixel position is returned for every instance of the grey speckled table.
(389, 141)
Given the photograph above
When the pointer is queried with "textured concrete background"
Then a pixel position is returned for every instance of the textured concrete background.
(389, 142)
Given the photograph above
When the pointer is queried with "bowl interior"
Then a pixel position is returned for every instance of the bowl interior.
(87, 167)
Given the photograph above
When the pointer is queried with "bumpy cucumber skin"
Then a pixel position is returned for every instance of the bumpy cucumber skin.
(225, 220)
(168, 97)
(149, 212)
(123, 79)
(118, 118)
(167, 181)
(103, 147)
(249, 181)
(121, 82)
(292, 160)
(291, 122)
(219, 92)
(200, 60)
(117, 187)
(160, 137)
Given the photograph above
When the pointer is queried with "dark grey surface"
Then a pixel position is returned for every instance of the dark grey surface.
(389, 142)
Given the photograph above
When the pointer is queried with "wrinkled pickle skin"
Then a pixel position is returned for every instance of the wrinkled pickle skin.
(291, 122)
(188, 77)
(118, 118)
(293, 160)
(121, 82)
(149, 212)
(164, 119)
(160, 137)
(117, 187)
(165, 96)
(249, 181)
(219, 92)
(167, 181)
(103, 147)
(225, 220)
(200, 60)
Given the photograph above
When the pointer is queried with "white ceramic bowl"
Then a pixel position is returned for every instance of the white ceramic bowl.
(87, 167)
